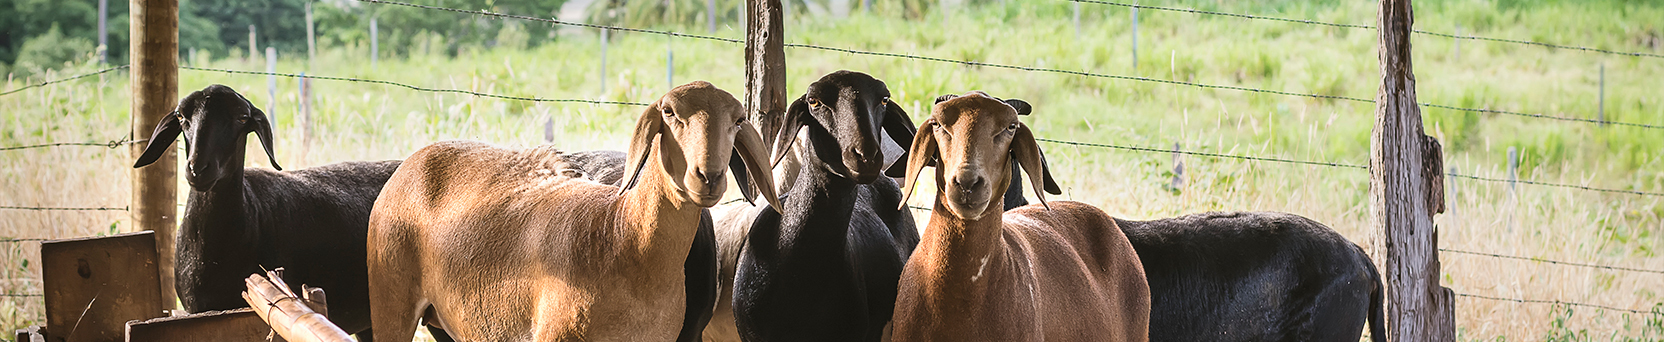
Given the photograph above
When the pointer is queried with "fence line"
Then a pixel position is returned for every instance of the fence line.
(1005, 66)
(1369, 27)
(1539, 301)
(1618, 268)
(23, 240)
(433, 90)
(112, 144)
(42, 84)
(21, 295)
(1569, 186)
(64, 208)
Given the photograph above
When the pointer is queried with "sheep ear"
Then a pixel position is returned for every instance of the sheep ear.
(648, 127)
(736, 164)
(900, 128)
(922, 152)
(160, 140)
(262, 128)
(788, 129)
(1027, 153)
(1022, 107)
(752, 151)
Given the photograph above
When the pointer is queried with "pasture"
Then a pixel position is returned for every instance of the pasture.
(366, 121)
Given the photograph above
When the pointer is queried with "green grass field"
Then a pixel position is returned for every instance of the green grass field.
(359, 121)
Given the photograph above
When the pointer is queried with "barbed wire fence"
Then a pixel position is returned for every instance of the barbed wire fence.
(1655, 311)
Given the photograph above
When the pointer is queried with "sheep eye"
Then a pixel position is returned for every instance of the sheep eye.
(668, 112)
(1012, 127)
(814, 103)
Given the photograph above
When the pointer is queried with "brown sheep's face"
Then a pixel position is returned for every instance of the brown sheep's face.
(971, 139)
(700, 133)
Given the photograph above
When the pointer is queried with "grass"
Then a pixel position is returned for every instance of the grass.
(355, 121)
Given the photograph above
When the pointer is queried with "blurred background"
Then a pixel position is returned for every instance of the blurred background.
(1116, 90)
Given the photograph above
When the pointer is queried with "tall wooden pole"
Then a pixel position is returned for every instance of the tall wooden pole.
(154, 52)
(765, 65)
(1399, 189)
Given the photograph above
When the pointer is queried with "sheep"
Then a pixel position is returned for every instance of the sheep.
(311, 222)
(1255, 276)
(1212, 275)
(496, 244)
(826, 266)
(700, 270)
(1059, 270)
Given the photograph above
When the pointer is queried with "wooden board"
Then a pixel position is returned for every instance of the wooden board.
(212, 326)
(95, 285)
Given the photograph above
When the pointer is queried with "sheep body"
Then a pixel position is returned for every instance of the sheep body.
(1254, 276)
(561, 246)
(507, 244)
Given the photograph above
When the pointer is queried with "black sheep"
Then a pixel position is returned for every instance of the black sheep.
(311, 222)
(1255, 276)
(826, 266)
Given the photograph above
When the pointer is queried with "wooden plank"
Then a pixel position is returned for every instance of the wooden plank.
(212, 326)
(154, 47)
(1400, 196)
(95, 285)
(765, 66)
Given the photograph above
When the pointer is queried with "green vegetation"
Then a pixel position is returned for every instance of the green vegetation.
(359, 121)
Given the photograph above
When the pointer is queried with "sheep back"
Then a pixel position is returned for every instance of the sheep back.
(1252, 276)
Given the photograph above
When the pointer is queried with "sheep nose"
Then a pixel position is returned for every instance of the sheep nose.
(705, 177)
(973, 185)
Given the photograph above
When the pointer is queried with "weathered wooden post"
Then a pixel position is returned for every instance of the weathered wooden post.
(154, 45)
(765, 65)
(1399, 196)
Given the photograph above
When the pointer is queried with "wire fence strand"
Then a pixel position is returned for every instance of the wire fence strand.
(411, 87)
(1616, 268)
(112, 144)
(12, 207)
(1539, 301)
(71, 78)
(23, 240)
(1371, 27)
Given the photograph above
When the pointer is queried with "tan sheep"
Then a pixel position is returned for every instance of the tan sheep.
(496, 244)
(1063, 272)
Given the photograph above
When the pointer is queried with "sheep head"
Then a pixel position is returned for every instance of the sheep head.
(215, 122)
(701, 132)
(971, 139)
(844, 113)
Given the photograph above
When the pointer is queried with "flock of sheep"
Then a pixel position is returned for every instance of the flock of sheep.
(484, 243)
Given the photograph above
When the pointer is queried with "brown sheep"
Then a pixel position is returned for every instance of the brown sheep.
(498, 245)
(1061, 272)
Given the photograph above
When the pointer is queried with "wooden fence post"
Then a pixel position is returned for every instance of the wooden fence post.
(765, 65)
(154, 54)
(1399, 189)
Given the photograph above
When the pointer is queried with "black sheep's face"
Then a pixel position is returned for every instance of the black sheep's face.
(215, 123)
(845, 114)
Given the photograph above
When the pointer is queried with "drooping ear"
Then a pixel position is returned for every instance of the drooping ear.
(1027, 153)
(795, 115)
(736, 164)
(900, 128)
(923, 150)
(1023, 108)
(751, 150)
(262, 128)
(648, 127)
(939, 99)
(160, 140)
